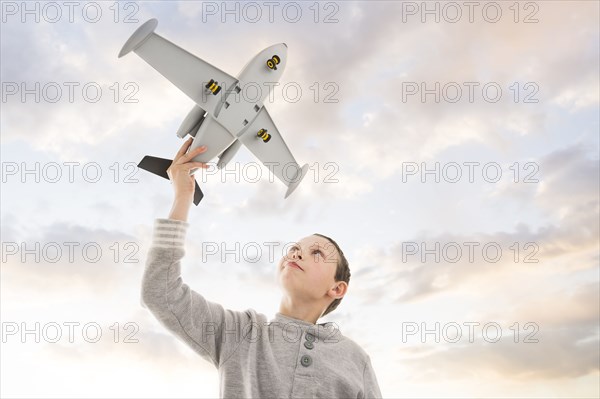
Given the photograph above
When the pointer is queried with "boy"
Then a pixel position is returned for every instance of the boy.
(287, 357)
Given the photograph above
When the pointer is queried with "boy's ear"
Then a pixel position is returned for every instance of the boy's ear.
(339, 289)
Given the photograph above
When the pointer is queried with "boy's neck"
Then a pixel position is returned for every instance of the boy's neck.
(305, 313)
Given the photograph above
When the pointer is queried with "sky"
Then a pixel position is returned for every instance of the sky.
(454, 157)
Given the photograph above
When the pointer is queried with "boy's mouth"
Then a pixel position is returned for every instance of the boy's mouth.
(294, 264)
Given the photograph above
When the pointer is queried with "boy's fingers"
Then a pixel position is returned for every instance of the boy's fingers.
(185, 145)
(191, 154)
(192, 165)
(183, 148)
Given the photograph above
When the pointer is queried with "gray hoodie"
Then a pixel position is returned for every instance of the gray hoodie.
(255, 357)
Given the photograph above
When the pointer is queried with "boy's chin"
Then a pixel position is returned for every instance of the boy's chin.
(287, 286)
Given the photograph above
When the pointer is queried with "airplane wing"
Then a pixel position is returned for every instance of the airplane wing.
(274, 153)
(186, 71)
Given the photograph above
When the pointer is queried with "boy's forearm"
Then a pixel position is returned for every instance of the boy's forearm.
(180, 209)
(180, 309)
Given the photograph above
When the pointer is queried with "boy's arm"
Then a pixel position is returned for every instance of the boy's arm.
(196, 321)
(370, 385)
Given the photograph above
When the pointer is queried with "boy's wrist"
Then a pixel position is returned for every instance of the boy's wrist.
(180, 209)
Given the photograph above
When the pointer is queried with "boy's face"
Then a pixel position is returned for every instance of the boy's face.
(317, 259)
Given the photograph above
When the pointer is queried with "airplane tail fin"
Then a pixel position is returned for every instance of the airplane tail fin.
(159, 167)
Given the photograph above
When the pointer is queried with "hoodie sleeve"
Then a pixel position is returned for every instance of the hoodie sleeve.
(370, 385)
(210, 330)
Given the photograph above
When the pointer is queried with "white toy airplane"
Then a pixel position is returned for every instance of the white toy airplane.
(222, 123)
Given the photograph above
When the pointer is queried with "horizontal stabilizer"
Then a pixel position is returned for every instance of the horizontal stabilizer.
(159, 167)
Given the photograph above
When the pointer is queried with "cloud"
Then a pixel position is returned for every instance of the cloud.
(561, 354)
(66, 259)
(560, 341)
(139, 341)
(570, 179)
(574, 236)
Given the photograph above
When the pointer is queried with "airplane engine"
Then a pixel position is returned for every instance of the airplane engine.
(192, 122)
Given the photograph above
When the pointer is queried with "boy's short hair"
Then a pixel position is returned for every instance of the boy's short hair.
(342, 273)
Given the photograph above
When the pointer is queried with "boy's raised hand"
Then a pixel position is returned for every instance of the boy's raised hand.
(179, 172)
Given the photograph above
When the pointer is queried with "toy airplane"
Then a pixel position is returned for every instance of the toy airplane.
(221, 123)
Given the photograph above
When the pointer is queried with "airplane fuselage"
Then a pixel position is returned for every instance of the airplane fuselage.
(237, 107)
(240, 106)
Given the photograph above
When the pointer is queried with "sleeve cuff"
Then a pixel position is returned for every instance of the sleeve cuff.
(169, 233)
